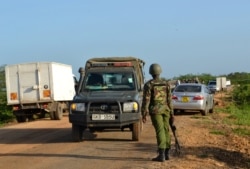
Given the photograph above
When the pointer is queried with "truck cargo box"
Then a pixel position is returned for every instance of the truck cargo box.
(28, 85)
(39, 82)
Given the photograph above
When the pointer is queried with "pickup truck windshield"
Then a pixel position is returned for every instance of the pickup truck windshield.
(109, 81)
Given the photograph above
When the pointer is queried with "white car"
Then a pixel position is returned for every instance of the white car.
(194, 97)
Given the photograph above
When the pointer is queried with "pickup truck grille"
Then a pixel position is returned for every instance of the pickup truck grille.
(104, 108)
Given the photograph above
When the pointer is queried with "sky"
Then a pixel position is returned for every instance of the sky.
(183, 36)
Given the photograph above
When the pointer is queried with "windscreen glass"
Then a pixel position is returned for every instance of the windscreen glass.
(109, 81)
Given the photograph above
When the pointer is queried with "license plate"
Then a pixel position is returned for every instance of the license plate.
(103, 117)
(185, 99)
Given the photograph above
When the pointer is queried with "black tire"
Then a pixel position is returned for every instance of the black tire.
(176, 112)
(59, 112)
(205, 112)
(212, 109)
(21, 119)
(52, 115)
(30, 117)
(92, 130)
(77, 133)
(42, 114)
(136, 131)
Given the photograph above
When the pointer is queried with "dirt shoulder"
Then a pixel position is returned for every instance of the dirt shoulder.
(210, 142)
(202, 145)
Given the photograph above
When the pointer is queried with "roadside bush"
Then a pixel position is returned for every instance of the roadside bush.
(6, 114)
(241, 106)
(241, 94)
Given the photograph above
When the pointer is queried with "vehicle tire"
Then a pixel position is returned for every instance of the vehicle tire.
(136, 131)
(92, 130)
(212, 109)
(42, 114)
(30, 117)
(59, 112)
(21, 119)
(52, 115)
(205, 111)
(77, 133)
(175, 111)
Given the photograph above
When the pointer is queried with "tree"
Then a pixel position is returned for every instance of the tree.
(5, 111)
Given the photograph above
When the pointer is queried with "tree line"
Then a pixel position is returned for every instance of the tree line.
(235, 78)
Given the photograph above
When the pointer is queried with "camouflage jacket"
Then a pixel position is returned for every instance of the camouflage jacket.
(157, 98)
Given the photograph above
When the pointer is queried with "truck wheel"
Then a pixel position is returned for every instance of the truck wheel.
(42, 114)
(136, 131)
(59, 112)
(30, 117)
(21, 119)
(52, 115)
(77, 133)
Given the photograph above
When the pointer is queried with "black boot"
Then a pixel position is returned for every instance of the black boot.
(161, 156)
(167, 154)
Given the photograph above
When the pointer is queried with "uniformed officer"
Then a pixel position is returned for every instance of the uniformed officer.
(157, 101)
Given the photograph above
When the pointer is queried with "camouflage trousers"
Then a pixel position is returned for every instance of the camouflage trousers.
(161, 125)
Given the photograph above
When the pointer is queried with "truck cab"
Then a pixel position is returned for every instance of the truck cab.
(109, 96)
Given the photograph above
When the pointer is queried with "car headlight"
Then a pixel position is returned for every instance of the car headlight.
(130, 107)
(78, 107)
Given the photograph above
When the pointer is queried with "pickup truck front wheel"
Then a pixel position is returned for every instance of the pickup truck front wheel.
(77, 132)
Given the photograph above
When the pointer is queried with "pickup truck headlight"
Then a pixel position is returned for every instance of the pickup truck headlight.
(78, 107)
(130, 107)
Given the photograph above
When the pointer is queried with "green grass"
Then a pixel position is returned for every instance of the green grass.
(239, 116)
(217, 132)
(198, 117)
(242, 131)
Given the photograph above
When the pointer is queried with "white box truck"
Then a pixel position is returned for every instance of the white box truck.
(221, 83)
(39, 88)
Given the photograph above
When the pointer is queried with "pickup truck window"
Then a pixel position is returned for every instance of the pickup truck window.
(109, 81)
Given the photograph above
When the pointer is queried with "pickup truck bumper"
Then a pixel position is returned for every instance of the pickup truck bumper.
(120, 120)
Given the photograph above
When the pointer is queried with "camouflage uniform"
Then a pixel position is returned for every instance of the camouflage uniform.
(157, 100)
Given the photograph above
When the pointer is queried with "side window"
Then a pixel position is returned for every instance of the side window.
(207, 90)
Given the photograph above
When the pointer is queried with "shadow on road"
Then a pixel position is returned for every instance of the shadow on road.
(33, 136)
(231, 158)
